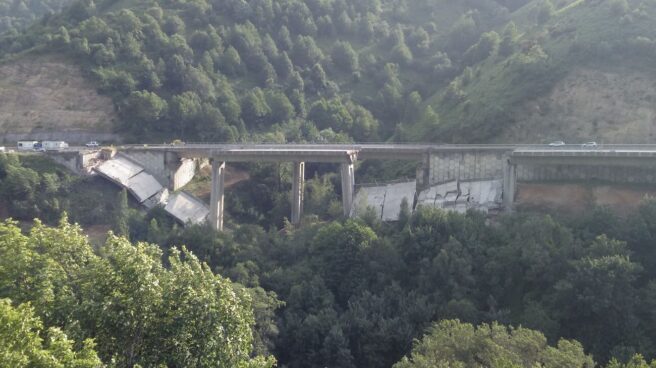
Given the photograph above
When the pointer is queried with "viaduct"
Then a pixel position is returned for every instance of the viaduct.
(175, 164)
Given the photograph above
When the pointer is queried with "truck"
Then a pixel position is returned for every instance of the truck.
(27, 145)
(53, 145)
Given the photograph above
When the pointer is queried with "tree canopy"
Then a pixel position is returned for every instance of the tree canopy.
(136, 309)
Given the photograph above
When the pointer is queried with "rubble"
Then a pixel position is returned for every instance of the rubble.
(458, 196)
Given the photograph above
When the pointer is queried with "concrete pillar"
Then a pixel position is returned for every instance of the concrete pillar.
(509, 185)
(216, 198)
(298, 189)
(348, 187)
(424, 181)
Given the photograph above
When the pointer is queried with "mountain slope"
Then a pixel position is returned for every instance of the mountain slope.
(332, 70)
(227, 70)
(572, 77)
(18, 14)
(46, 97)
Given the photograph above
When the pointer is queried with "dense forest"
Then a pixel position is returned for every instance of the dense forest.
(16, 15)
(344, 293)
(434, 289)
(333, 70)
(348, 293)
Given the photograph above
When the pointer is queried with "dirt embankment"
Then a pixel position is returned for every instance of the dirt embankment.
(201, 186)
(45, 97)
(578, 198)
(609, 106)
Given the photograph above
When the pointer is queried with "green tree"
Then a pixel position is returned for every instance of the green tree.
(318, 78)
(545, 11)
(284, 38)
(254, 108)
(637, 361)
(173, 25)
(211, 125)
(600, 286)
(345, 57)
(486, 46)
(339, 251)
(306, 52)
(269, 47)
(136, 309)
(21, 344)
(365, 125)
(401, 53)
(184, 110)
(146, 107)
(284, 66)
(451, 343)
(281, 108)
(462, 35)
(331, 114)
(231, 62)
(508, 40)
(121, 213)
(61, 38)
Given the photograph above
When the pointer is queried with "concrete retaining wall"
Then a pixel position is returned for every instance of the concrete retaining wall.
(448, 166)
(78, 162)
(484, 165)
(546, 173)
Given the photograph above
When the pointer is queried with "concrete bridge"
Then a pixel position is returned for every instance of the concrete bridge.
(435, 164)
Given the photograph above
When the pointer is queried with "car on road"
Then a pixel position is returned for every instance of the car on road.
(92, 144)
(589, 145)
(556, 144)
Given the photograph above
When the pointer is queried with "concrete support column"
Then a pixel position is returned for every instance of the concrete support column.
(424, 172)
(509, 185)
(348, 187)
(216, 198)
(298, 189)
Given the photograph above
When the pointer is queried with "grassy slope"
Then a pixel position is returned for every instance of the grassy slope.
(498, 88)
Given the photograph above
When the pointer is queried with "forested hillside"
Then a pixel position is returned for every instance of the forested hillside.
(335, 70)
(353, 293)
(16, 15)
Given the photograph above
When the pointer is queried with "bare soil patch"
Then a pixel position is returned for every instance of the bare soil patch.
(577, 198)
(201, 185)
(610, 106)
(97, 233)
(49, 93)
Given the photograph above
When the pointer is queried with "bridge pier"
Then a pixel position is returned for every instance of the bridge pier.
(509, 184)
(424, 172)
(298, 189)
(216, 198)
(348, 187)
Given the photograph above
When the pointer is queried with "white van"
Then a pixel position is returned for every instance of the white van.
(53, 145)
(26, 145)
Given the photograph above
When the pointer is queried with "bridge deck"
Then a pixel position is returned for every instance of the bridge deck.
(341, 153)
(314, 152)
(266, 154)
